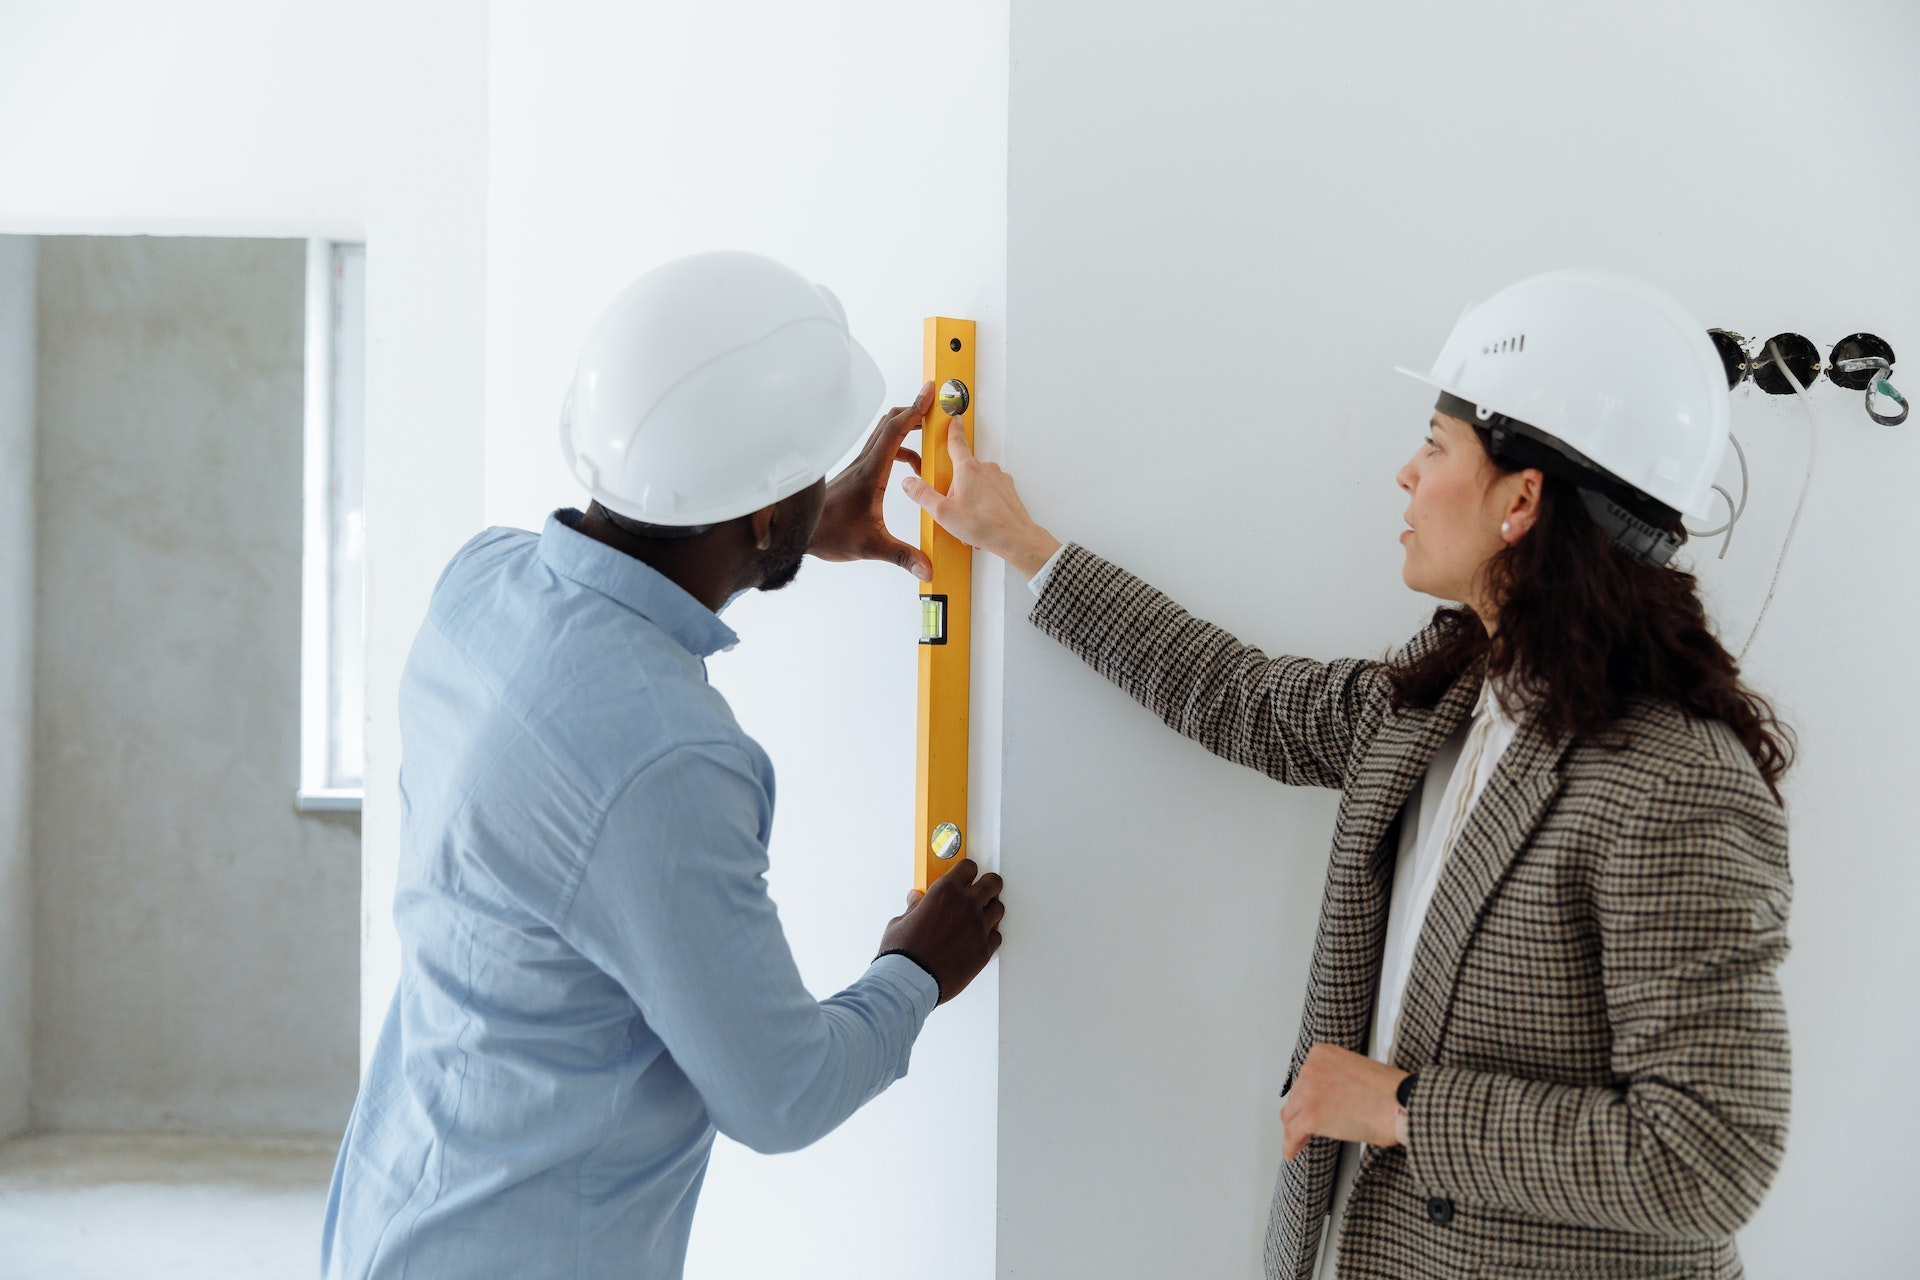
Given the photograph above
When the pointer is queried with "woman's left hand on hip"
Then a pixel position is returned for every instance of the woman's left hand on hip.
(1342, 1095)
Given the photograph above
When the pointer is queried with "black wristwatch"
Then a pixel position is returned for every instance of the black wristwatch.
(1404, 1093)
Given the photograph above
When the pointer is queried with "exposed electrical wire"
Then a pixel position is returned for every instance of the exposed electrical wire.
(1734, 510)
(1813, 437)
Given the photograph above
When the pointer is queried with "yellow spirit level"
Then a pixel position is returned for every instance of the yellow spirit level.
(940, 808)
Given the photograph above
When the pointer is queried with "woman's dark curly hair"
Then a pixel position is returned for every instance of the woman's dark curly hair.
(1584, 628)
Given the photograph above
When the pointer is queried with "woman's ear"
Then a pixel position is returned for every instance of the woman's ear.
(1522, 503)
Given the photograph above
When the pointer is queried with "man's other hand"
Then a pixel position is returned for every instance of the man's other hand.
(851, 525)
(952, 929)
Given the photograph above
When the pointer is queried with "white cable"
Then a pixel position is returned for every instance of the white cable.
(1806, 483)
(1719, 528)
(1734, 509)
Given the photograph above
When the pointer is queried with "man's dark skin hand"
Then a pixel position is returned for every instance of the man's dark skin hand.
(851, 526)
(952, 929)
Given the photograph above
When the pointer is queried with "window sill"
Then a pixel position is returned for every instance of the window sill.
(336, 800)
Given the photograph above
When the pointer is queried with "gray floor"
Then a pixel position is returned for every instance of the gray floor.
(148, 1207)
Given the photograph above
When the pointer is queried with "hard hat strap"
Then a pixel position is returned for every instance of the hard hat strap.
(1610, 501)
(1636, 537)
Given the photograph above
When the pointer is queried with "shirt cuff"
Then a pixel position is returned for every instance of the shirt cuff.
(1038, 582)
(909, 979)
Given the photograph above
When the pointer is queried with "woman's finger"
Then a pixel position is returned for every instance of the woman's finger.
(925, 496)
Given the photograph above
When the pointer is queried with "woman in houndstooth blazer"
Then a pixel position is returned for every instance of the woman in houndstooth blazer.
(1590, 1044)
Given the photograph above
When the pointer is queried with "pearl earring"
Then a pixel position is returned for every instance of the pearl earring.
(1505, 527)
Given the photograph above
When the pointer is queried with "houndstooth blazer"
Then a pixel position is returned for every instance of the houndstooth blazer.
(1592, 1008)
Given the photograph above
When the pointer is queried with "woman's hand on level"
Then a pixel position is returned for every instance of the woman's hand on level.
(982, 508)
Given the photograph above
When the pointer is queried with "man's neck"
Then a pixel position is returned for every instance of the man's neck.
(699, 565)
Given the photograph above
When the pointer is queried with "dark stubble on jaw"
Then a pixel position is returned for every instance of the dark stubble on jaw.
(780, 564)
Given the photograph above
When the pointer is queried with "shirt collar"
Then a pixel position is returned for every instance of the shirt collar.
(626, 581)
(1493, 703)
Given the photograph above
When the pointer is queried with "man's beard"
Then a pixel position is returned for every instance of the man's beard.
(780, 565)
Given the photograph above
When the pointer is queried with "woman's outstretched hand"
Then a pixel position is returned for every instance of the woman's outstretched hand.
(982, 509)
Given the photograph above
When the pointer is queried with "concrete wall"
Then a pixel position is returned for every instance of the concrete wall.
(623, 136)
(18, 261)
(197, 940)
(1227, 222)
(356, 118)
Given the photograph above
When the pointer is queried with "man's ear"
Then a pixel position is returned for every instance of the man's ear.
(760, 524)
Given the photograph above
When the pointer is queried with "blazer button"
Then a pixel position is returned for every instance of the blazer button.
(1439, 1211)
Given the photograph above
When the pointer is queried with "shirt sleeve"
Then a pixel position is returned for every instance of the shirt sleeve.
(1038, 582)
(1293, 719)
(673, 904)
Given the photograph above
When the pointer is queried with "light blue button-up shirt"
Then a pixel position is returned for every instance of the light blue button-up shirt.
(593, 976)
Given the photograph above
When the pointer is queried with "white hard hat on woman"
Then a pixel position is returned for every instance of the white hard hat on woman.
(713, 386)
(1603, 381)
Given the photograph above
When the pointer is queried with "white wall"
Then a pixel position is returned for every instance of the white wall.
(864, 143)
(1226, 224)
(196, 952)
(350, 118)
(18, 290)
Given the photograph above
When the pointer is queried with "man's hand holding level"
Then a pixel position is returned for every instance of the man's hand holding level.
(851, 525)
(951, 930)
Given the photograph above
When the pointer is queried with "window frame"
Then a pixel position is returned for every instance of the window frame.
(333, 633)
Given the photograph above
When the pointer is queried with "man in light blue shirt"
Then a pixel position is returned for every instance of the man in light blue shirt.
(594, 978)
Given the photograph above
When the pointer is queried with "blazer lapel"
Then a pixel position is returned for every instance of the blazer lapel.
(1401, 753)
(1503, 818)
(1345, 973)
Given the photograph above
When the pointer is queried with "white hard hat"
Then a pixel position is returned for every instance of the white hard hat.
(713, 386)
(1610, 370)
